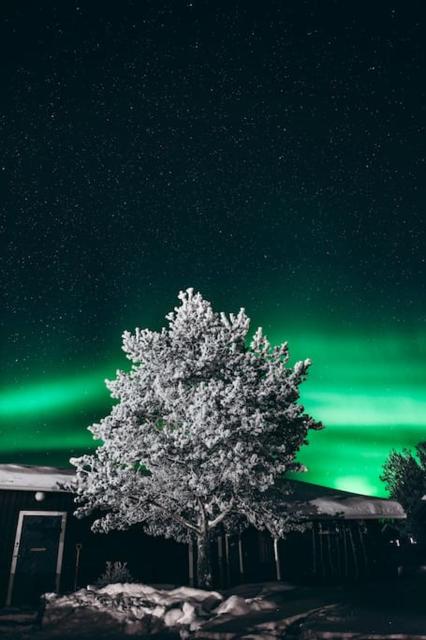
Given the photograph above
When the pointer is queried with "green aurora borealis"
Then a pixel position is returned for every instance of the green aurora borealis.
(368, 393)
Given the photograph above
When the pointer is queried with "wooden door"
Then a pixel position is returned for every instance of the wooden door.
(37, 556)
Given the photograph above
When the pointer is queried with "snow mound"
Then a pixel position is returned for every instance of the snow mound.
(135, 608)
(161, 596)
(234, 605)
(145, 610)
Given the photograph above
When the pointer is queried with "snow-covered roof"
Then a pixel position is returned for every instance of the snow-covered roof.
(22, 477)
(324, 501)
(359, 507)
(317, 500)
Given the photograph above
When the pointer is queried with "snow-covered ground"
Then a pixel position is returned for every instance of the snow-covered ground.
(392, 610)
(138, 609)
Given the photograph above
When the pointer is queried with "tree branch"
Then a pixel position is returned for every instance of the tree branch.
(174, 516)
(221, 516)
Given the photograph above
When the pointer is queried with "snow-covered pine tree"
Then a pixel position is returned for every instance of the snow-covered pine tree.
(204, 429)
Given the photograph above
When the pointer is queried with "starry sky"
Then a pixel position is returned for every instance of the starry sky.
(269, 154)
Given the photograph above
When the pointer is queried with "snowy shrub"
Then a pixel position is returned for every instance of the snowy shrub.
(114, 572)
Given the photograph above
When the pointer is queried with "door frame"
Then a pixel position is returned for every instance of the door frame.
(17, 545)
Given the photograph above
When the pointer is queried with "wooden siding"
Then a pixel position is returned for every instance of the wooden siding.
(153, 560)
(11, 503)
(331, 550)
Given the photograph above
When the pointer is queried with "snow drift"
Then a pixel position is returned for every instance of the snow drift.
(141, 609)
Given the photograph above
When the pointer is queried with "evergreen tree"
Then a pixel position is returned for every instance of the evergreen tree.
(204, 429)
(405, 478)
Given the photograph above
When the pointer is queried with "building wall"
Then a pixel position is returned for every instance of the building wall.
(149, 559)
(11, 503)
(331, 550)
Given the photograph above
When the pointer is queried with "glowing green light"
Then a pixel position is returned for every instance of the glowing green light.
(356, 484)
(368, 389)
(52, 396)
(31, 441)
(341, 405)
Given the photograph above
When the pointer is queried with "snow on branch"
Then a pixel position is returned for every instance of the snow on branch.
(206, 425)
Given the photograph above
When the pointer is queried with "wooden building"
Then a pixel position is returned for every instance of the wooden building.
(349, 537)
(45, 548)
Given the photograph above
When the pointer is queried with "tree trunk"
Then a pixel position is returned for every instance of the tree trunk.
(204, 572)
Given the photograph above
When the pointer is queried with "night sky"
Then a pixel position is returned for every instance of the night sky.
(269, 154)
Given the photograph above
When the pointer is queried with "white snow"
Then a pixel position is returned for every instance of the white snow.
(221, 425)
(159, 596)
(352, 507)
(32, 478)
(235, 605)
(139, 607)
